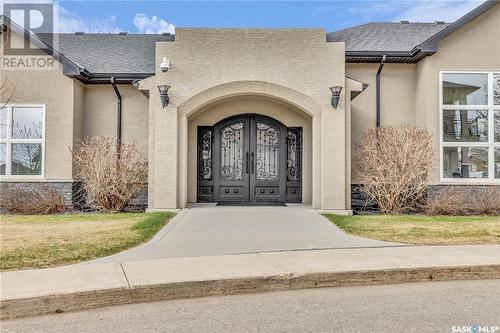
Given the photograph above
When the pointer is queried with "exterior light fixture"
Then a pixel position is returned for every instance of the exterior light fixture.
(335, 95)
(164, 65)
(163, 89)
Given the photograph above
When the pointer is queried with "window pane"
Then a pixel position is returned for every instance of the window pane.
(3, 123)
(27, 123)
(26, 159)
(497, 162)
(496, 126)
(465, 126)
(465, 162)
(465, 89)
(496, 88)
(3, 158)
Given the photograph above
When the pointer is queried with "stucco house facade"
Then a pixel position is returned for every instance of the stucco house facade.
(258, 115)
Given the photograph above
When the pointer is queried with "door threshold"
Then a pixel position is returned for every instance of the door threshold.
(246, 204)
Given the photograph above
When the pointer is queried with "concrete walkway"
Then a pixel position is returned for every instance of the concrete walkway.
(209, 231)
(79, 287)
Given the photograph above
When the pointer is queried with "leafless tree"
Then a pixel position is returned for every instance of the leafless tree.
(496, 90)
(7, 82)
(27, 156)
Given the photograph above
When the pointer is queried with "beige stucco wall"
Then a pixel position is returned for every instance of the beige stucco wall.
(475, 46)
(56, 91)
(100, 114)
(73, 111)
(78, 114)
(284, 113)
(397, 99)
(295, 66)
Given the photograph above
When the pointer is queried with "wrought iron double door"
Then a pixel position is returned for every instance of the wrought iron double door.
(249, 162)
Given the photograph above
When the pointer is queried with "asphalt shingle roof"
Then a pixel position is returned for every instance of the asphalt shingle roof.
(385, 36)
(135, 53)
(112, 53)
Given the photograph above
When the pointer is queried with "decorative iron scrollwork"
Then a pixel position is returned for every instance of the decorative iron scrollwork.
(231, 152)
(267, 152)
(205, 140)
(294, 153)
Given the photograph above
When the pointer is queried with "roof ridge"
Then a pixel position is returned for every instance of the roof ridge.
(390, 22)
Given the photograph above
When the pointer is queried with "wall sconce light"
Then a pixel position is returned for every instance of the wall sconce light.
(163, 89)
(335, 95)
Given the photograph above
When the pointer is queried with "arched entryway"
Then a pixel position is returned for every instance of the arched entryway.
(249, 158)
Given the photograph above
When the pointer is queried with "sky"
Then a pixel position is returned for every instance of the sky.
(163, 16)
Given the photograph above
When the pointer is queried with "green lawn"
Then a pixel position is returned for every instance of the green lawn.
(35, 241)
(425, 230)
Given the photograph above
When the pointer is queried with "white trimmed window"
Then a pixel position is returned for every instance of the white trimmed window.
(22, 136)
(470, 126)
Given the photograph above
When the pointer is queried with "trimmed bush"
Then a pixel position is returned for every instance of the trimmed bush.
(45, 200)
(449, 201)
(487, 202)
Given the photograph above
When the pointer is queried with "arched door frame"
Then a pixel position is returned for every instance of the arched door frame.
(259, 170)
(198, 102)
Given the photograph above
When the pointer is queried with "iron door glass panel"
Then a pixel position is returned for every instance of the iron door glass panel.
(27, 123)
(26, 159)
(497, 162)
(496, 88)
(496, 125)
(205, 154)
(465, 126)
(231, 152)
(294, 140)
(465, 89)
(3, 159)
(465, 162)
(267, 161)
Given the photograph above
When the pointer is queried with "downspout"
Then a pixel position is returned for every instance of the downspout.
(377, 85)
(119, 115)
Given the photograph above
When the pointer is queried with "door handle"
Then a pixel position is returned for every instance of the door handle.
(252, 164)
(247, 163)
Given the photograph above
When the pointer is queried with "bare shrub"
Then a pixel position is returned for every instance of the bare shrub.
(13, 200)
(449, 201)
(110, 175)
(394, 163)
(486, 202)
(45, 200)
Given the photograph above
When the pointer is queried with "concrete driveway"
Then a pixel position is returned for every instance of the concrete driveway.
(207, 231)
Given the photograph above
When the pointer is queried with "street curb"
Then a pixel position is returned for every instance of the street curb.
(57, 303)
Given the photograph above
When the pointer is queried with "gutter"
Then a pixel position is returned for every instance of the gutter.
(377, 86)
(119, 115)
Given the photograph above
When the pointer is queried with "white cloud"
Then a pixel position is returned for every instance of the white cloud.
(67, 21)
(152, 25)
(430, 11)
(71, 22)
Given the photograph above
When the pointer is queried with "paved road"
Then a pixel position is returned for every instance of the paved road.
(206, 231)
(416, 307)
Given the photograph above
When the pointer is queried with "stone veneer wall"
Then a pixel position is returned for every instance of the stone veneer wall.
(64, 188)
(358, 200)
(69, 193)
(434, 190)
